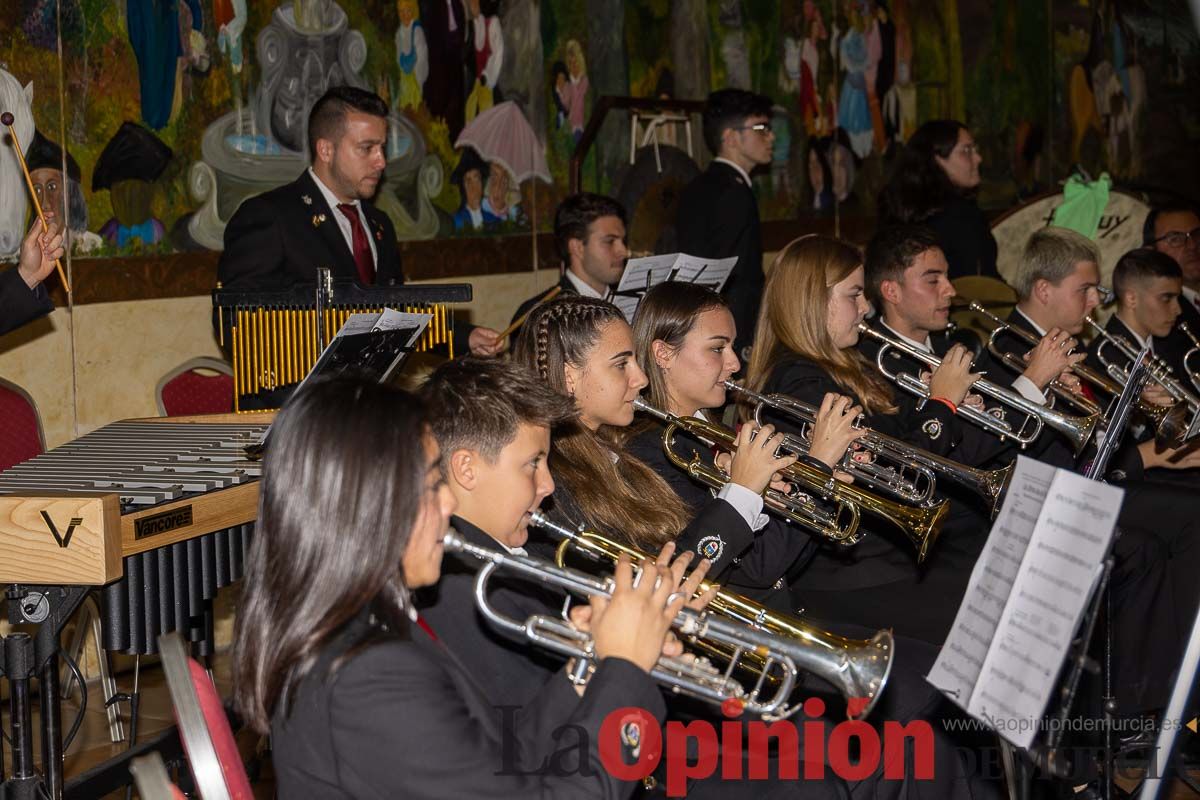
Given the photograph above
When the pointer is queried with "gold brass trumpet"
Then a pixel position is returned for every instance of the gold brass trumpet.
(856, 668)
(1078, 430)
(921, 524)
(901, 469)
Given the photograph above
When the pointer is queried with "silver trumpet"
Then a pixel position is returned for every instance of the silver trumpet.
(769, 696)
(1190, 355)
(1170, 422)
(901, 469)
(1077, 430)
(858, 668)
(1060, 389)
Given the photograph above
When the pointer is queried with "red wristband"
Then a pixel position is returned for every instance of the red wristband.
(953, 408)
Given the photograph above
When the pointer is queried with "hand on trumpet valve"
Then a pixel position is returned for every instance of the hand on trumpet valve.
(1051, 358)
(953, 377)
(756, 461)
(1157, 395)
(689, 582)
(834, 431)
(633, 622)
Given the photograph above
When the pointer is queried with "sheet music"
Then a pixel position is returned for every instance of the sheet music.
(642, 274)
(710, 272)
(657, 268)
(957, 669)
(1062, 565)
(385, 339)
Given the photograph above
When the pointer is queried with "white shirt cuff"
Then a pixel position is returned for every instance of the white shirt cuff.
(746, 503)
(1028, 389)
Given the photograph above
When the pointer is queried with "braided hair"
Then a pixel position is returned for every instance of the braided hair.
(616, 493)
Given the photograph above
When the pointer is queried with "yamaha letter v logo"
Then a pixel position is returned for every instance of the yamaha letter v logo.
(64, 539)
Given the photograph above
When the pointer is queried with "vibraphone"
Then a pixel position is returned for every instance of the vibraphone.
(157, 514)
(276, 337)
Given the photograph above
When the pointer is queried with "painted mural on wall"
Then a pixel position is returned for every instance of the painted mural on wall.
(174, 111)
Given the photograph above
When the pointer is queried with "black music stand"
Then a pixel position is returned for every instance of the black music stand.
(1047, 755)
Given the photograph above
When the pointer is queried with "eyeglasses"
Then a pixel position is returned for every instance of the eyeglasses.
(762, 128)
(1180, 238)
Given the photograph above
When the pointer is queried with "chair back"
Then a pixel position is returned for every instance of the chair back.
(198, 386)
(208, 741)
(20, 427)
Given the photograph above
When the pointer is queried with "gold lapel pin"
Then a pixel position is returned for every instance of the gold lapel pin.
(317, 219)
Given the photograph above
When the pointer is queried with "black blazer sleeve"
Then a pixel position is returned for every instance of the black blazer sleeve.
(18, 303)
(402, 727)
(773, 551)
(933, 428)
(253, 257)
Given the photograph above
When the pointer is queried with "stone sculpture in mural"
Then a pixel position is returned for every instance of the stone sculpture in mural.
(307, 47)
(14, 206)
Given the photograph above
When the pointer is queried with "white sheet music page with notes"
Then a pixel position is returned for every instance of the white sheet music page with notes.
(1026, 596)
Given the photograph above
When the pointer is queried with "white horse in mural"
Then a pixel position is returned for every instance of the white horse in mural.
(14, 203)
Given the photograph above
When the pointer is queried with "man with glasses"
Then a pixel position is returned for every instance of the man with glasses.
(1175, 230)
(718, 213)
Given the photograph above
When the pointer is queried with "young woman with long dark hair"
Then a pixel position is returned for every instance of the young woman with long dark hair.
(934, 183)
(330, 658)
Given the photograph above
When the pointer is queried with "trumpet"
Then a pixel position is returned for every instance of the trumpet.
(858, 669)
(1170, 422)
(912, 474)
(1078, 430)
(1193, 372)
(694, 678)
(920, 524)
(1081, 371)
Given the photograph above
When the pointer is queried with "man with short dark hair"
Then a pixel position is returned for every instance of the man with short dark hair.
(325, 218)
(718, 213)
(907, 278)
(589, 231)
(1147, 284)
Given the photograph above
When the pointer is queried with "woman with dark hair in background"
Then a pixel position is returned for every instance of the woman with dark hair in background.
(934, 183)
(331, 659)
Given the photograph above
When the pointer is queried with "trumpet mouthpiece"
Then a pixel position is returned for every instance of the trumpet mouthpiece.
(7, 118)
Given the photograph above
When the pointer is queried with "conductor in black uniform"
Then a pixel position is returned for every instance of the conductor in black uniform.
(325, 218)
(718, 214)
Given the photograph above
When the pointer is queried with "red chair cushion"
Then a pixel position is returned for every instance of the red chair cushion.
(193, 392)
(221, 734)
(19, 438)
